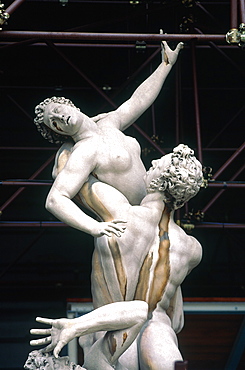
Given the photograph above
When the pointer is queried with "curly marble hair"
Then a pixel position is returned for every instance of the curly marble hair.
(181, 179)
(45, 131)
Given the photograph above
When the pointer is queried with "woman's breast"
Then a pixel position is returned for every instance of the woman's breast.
(120, 154)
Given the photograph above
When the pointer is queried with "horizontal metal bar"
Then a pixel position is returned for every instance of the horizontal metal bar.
(93, 45)
(100, 45)
(214, 307)
(56, 148)
(33, 176)
(28, 148)
(80, 308)
(229, 161)
(204, 225)
(26, 183)
(215, 184)
(32, 224)
(219, 225)
(108, 36)
(226, 184)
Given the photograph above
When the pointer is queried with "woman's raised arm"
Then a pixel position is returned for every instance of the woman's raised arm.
(147, 92)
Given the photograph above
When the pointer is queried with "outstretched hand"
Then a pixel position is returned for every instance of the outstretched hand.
(170, 56)
(61, 333)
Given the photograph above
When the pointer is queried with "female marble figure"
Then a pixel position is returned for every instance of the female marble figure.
(148, 262)
(100, 148)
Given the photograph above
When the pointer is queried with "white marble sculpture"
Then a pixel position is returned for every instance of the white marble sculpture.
(140, 253)
(148, 263)
(38, 360)
(122, 320)
(100, 147)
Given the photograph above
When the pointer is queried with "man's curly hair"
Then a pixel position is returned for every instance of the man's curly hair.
(181, 179)
(45, 131)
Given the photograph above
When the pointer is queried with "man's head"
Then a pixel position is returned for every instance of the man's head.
(178, 175)
(46, 132)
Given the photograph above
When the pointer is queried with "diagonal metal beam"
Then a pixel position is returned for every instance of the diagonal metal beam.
(231, 61)
(11, 45)
(199, 5)
(21, 254)
(85, 77)
(237, 349)
(142, 66)
(213, 200)
(20, 107)
(229, 161)
(12, 7)
(225, 126)
(20, 190)
(34, 175)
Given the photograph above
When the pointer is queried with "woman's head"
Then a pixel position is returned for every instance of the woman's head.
(46, 132)
(180, 177)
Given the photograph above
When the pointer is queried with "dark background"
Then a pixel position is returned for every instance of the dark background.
(42, 267)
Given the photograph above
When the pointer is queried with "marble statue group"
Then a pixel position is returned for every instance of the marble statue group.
(141, 256)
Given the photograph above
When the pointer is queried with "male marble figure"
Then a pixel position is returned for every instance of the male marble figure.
(148, 262)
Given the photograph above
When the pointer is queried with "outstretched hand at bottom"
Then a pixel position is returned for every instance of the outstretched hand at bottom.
(61, 333)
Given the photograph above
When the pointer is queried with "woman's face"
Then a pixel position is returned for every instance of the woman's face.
(62, 119)
(158, 166)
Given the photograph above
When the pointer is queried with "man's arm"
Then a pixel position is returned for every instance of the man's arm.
(147, 92)
(67, 184)
(112, 317)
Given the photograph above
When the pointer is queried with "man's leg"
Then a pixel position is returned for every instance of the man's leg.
(158, 346)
